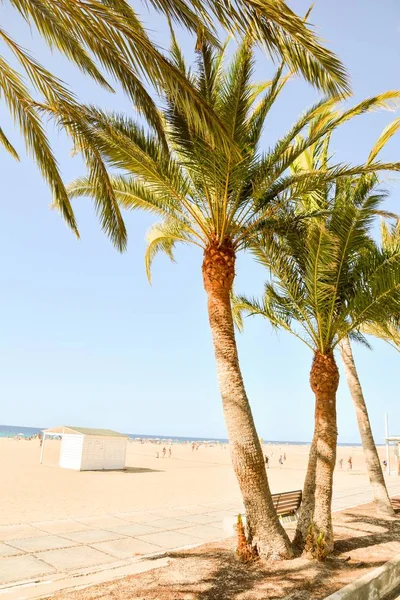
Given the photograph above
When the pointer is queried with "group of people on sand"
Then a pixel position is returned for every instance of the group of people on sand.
(281, 461)
(164, 453)
(349, 462)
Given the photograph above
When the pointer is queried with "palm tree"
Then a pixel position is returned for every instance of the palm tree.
(216, 196)
(110, 33)
(374, 468)
(328, 280)
(389, 331)
(390, 241)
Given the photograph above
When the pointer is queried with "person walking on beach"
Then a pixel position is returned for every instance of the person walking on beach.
(193, 446)
(284, 457)
(267, 461)
(40, 439)
(169, 452)
(281, 460)
(350, 462)
(341, 464)
(164, 452)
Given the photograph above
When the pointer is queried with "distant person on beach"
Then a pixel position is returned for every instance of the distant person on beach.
(169, 452)
(40, 439)
(350, 463)
(341, 464)
(164, 452)
(193, 446)
(267, 461)
(284, 456)
(280, 460)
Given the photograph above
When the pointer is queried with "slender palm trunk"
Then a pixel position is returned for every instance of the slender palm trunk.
(308, 500)
(380, 493)
(247, 459)
(317, 494)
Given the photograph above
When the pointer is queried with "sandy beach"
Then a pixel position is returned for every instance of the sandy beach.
(34, 492)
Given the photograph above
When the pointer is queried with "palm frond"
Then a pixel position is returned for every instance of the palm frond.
(163, 237)
(5, 142)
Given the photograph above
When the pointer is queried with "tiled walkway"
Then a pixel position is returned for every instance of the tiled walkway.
(44, 548)
(55, 549)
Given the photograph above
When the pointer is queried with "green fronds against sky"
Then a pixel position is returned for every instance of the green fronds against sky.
(206, 190)
(328, 277)
(107, 41)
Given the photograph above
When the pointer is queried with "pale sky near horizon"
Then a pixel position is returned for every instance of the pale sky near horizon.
(84, 339)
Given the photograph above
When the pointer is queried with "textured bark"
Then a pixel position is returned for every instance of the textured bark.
(247, 458)
(306, 512)
(381, 496)
(324, 381)
(317, 493)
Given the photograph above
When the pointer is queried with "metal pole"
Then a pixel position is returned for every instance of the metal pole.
(387, 444)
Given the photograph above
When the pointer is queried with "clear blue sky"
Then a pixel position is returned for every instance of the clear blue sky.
(84, 339)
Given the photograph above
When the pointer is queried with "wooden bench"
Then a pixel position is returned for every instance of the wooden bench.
(287, 504)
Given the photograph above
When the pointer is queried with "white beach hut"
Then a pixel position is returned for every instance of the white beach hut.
(85, 449)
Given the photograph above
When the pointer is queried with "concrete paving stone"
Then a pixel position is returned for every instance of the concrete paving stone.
(6, 550)
(171, 512)
(139, 517)
(225, 513)
(169, 524)
(170, 539)
(14, 532)
(217, 506)
(45, 542)
(204, 532)
(127, 547)
(92, 536)
(201, 519)
(60, 526)
(134, 529)
(218, 525)
(102, 522)
(196, 509)
(78, 557)
(21, 568)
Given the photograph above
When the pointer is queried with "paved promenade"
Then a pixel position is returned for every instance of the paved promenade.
(60, 549)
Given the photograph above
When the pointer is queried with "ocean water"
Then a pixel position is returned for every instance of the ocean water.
(13, 431)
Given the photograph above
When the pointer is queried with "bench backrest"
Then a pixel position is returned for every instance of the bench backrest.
(287, 502)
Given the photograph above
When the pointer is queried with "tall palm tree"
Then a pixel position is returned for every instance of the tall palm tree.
(328, 279)
(216, 196)
(374, 468)
(390, 241)
(109, 33)
(389, 331)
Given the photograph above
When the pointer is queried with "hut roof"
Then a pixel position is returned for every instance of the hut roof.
(84, 431)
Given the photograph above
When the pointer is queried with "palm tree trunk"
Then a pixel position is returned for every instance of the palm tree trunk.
(380, 493)
(324, 381)
(247, 459)
(317, 494)
(308, 500)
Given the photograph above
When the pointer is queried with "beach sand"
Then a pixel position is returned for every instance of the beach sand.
(34, 492)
